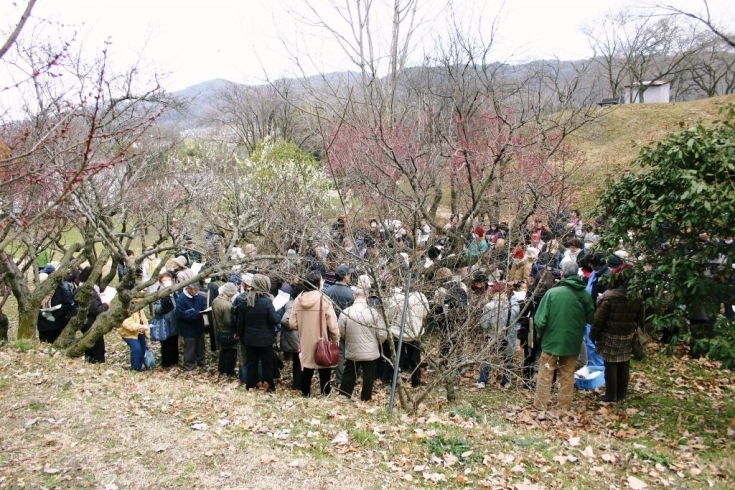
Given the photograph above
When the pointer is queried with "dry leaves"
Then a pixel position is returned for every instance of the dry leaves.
(636, 484)
(267, 459)
(341, 438)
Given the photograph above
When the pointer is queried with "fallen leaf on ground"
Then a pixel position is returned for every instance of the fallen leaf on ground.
(636, 484)
(588, 452)
(341, 438)
(434, 477)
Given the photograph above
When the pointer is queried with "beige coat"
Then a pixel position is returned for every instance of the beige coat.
(418, 310)
(520, 273)
(305, 319)
(363, 330)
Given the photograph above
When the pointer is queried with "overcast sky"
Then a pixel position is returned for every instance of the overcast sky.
(242, 40)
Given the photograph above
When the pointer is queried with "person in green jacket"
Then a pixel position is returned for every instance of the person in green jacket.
(476, 247)
(560, 322)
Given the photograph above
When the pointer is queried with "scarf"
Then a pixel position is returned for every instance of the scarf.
(261, 287)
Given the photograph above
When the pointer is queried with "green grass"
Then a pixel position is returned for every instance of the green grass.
(364, 437)
(468, 412)
(25, 345)
(37, 406)
(651, 455)
(610, 143)
(454, 444)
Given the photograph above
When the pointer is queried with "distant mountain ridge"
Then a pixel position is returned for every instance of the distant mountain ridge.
(200, 99)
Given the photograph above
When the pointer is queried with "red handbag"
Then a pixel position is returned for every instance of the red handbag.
(327, 352)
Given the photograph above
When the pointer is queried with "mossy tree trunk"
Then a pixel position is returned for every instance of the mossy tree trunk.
(29, 301)
(27, 319)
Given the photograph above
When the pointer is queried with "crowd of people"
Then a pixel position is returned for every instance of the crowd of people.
(477, 296)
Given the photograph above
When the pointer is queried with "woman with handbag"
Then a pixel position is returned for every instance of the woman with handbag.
(134, 331)
(225, 330)
(257, 320)
(314, 318)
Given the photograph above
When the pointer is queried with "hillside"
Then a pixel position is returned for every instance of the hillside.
(610, 143)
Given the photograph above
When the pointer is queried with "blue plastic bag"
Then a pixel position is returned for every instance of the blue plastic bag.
(149, 359)
(593, 358)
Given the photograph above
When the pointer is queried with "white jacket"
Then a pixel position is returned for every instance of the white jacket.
(499, 318)
(363, 330)
(418, 310)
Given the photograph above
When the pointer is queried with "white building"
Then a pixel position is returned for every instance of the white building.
(653, 92)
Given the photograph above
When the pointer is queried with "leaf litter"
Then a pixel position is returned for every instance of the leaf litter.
(105, 427)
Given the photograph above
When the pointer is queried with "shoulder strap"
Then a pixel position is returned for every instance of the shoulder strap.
(576, 293)
(321, 319)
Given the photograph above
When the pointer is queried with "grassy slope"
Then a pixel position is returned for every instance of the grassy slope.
(610, 143)
(72, 425)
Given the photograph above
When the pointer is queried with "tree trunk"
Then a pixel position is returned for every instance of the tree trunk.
(83, 299)
(27, 320)
(438, 194)
(451, 385)
(104, 325)
(454, 195)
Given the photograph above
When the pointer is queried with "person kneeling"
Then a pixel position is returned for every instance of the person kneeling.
(134, 331)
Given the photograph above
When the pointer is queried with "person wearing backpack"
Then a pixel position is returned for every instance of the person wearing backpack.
(560, 322)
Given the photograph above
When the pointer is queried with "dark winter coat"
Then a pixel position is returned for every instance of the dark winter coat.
(189, 318)
(341, 295)
(616, 314)
(600, 282)
(96, 308)
(165, 308)
(57, 319)
(256, 325)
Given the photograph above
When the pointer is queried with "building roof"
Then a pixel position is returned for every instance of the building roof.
(654, 83)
